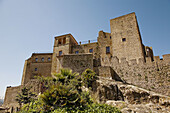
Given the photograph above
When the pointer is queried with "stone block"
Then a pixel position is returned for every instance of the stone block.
(124, 62)
(105, 71)
(166, 57)
(156, 59)
(114, 61)
(148, 60)
(133, 62)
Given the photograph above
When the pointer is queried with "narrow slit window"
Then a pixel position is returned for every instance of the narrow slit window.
(59, 41)
(64, 40)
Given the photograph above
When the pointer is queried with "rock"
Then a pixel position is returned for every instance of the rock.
(106, 92)
(119, 104)
(129, 98)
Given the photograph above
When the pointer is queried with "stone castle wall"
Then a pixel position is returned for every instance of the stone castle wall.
(126, 60)
(84, 48)
(126, 39)
(12, 92)
(64, 45)
(77, 62)
(38, 65)
(154, 76)
(10, 96)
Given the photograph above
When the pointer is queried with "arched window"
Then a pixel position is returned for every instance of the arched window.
(49, 59)
(64, 40)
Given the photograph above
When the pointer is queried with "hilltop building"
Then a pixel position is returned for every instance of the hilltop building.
(122, 47)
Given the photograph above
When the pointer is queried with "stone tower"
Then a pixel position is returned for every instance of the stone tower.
(62, 46)
(126, 39)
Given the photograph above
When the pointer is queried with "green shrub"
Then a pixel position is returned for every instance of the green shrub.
(25, 96)
(63, 94)
(93, 108)
(88, 77)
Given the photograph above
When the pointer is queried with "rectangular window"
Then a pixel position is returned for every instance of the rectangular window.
(123, 39)
(108, 49)
(36, 59)
(91, 50)
(36, 69)
(76, 52)
(60, 53)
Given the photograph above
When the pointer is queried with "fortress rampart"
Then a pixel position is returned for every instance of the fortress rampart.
(151, 75)
(119, 55)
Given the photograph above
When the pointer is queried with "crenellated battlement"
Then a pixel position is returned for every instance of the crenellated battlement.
(114, 61)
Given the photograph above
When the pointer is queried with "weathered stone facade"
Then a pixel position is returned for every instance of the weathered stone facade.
(119, 55)
(38, 65)
(126, 38)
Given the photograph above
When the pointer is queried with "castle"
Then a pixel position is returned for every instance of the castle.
(122, 49)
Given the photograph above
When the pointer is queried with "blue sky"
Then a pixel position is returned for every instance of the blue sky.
(28, 26)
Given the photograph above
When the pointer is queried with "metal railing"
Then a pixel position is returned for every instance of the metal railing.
(87, 42)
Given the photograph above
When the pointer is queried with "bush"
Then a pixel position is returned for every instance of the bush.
(88, 77)
(93, 108)
(63, 94)
(25, 96)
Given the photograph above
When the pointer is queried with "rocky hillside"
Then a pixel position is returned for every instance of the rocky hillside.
(150, 77)
(129, 98)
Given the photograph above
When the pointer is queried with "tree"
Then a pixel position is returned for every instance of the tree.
(25, 96)
(63, 94)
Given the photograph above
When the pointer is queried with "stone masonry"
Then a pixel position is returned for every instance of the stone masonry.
(119, 55)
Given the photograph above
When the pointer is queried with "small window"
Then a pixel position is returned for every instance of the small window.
(76, 52)
(60, 53)
(107, 49)
(49, 59)
(91, 50)
(42, 59)
(36, 59)
(123, 39)
(147, 49)
(35, 69)
(110, 37)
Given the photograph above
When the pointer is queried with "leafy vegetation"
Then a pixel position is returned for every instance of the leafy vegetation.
(63, 94)
(89, 76)
(26, 96)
